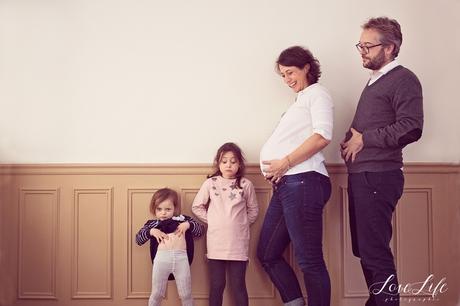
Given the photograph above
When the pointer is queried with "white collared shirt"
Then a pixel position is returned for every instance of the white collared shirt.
(375, 75)
(311, 113)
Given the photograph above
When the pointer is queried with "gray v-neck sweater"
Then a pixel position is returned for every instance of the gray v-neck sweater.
(390, 116)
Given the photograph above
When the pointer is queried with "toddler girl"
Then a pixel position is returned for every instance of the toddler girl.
(171, 246)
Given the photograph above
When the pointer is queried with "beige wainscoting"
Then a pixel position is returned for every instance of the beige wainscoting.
(67, 235)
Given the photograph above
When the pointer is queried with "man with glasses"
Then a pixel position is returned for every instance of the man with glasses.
(388, 117)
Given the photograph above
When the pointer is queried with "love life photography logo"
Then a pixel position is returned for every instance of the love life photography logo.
(427, 290)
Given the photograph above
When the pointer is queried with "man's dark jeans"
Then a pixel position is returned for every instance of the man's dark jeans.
(372, 198)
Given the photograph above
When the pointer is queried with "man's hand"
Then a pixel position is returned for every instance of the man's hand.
(353, 146)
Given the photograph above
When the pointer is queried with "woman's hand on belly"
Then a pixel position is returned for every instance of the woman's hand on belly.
(275, 169)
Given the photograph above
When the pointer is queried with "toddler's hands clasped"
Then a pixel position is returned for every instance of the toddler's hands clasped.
(159, 235)
(182, 228)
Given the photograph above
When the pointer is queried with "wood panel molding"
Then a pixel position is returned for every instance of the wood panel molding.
(133, 292)
(87, 283)
(38, 230)
(185, 169)
(426, 207)
(346, 268)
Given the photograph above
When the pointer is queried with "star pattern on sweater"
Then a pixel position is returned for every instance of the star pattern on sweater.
(233, 188)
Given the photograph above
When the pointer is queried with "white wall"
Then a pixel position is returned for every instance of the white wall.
(170, 81)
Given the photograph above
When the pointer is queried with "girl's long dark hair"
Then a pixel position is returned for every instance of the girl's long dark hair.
(229, 147)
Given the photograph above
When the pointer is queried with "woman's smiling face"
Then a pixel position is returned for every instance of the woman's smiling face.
(294, 77)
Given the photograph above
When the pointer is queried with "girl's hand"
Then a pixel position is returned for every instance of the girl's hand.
(275, 169)
(182, 228)
(159, 235)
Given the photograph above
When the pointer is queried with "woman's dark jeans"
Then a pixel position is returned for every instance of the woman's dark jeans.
(295, 214)
(236, 271)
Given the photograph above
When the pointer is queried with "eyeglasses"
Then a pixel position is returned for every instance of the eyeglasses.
(365, 49)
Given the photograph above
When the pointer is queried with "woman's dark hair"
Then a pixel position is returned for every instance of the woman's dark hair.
(229, 147)
(162, 195)
(299, 57)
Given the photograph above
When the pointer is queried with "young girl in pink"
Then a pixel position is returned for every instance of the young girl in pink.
(227, 203)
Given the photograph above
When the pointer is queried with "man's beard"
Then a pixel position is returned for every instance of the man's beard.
(377, 62)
